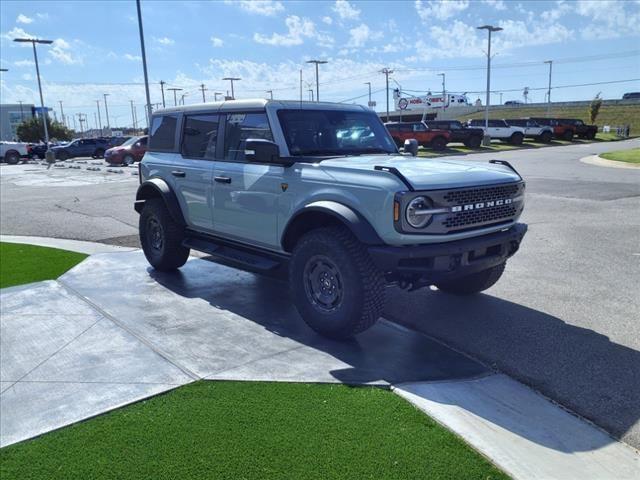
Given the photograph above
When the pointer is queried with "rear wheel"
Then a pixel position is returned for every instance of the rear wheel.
(12, 157)
(474, 283)
(474, 142)
(334, 285)
(438, 143)
(567, 135)
(99, 153)
(161, 237)
(591, 135)
(516, 138)
(545, 137)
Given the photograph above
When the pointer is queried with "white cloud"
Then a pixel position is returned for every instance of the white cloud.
(24, 63)
(360, 35)
(42, 16)
(24, 19)
(609, 19)
(497, 4)
(327, 20)
(165, 41)
(132, 58)
(62, 51)
(268, 8)
(27, 76)
(216, 42)
(297, 30)
(440, 9)
(18, 32)
(345, 10)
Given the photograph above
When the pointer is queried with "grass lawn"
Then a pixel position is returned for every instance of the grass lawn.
(251, 430)
(630, 156)
(27, 263)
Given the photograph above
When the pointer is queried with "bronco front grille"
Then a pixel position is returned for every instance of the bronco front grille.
(484, 216)
(486, 194)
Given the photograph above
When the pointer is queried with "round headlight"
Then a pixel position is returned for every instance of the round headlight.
(415, 212)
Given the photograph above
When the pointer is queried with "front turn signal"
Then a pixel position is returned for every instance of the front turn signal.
(396, 211)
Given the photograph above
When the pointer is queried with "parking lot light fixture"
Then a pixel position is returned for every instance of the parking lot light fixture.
(48, 155)
(232, 79)
(175, 97)
(489, 28)
(317, 62)
(106, 110)
(369, 83)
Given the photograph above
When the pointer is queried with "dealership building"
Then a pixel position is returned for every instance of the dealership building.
(12, 115)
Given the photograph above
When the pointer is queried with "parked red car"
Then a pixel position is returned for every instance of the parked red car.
(130, 151)
(427, 137)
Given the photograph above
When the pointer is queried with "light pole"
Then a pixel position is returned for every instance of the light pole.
(215, 96)
(133, 116)
(489, 28)
(270, 92)
(317, 62)
(99, 117)
(106, 110)
(182, 98)
(202, 89)
(175, 98)
(144, 62)
(162, 83)
(369, 83)
(22, 112)
(64, 122)
(232, 79)
(550, 62)
(387, 72)
(310, 94)
(444, 97)
(49, 156)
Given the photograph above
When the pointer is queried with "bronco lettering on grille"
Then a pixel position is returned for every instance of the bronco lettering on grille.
(481, 205)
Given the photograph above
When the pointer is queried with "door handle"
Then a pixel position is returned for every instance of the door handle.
(222, 179)
(178, 173)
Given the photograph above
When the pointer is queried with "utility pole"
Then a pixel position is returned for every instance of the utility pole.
(232, 79)
(487, 139)
(162, 83)
(444, 96)
(21, 111)
(133, 116)
(80, 120)
(369, 83)
(106, 110)
(99, 118)
(550, 62)
(61, 114)
(317, 62)
(387, 72)
(202, 89)
(50, 157)
(300, 85)
(270, 92)
(95, 120)
(175, 98)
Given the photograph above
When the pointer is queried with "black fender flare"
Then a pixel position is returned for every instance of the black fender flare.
(156, 187)
(350, 218)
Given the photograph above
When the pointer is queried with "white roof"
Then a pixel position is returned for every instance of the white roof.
(258, 104)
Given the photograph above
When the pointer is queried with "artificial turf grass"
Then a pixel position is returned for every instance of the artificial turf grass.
(21, 263)
(253, 430)
(629, 156)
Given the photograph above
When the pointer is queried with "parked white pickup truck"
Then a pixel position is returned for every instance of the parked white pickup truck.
(501, 130)
(12, 152)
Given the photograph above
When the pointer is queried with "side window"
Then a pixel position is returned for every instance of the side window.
(418, 127)
(240, 127)
(163, 132)
(405, 128)
(200, 136)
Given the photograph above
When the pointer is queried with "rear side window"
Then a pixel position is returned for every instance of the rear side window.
(240, 127)
(200, 136)
(163, 133)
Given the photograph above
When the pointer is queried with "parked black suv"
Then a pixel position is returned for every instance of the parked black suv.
(471, 137)
(82, 147)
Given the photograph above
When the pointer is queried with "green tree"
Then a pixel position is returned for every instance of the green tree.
(32, 130)
(594, 108)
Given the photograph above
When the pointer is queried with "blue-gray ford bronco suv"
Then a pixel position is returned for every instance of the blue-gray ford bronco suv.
(321, 192)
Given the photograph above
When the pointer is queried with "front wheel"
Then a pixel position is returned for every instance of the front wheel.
(516, 139)
(438, 143)
(161, 237)
(546, 137)
(474, 283)
(334, 285)
(474, 142)
(12, 157)
(567, 135)
(99, 153)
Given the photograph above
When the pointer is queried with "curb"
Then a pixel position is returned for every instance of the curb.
(603, 162)
(88, 248)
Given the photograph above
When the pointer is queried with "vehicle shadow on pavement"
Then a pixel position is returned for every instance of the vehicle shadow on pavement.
(577, 367)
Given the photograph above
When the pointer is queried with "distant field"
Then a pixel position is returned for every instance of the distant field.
(609, 114)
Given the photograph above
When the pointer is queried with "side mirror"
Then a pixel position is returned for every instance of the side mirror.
(411, 147)
(261, 151)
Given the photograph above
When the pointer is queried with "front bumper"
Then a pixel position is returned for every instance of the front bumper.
(443, 261)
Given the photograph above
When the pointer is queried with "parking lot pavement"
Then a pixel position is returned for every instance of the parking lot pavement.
(563, 319)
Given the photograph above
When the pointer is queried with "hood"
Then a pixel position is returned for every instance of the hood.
(427, 174)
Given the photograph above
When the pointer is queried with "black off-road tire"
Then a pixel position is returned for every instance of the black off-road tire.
(361, 285)
(12, 157)
(567, 135)
(99, 153)
(474, 283)
(438, 144)
(545, 137)
(163, 248)
(516, 139)
(474, 141)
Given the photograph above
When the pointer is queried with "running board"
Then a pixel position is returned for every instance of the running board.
(235, 256)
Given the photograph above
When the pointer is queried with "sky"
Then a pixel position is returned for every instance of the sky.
(96, 50)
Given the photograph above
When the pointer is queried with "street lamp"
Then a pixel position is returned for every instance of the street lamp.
(489, 28)
(215, 96)
(232, 79)
(182, 98)
(369, 83)
(175, 98)
(444, 101)
(270, 92)
(387, 72)
(106, 110)
(550, 62)
(317, 62)
(50, 156)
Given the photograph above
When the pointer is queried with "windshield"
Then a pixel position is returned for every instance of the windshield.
(131, 141)
(334, 132)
